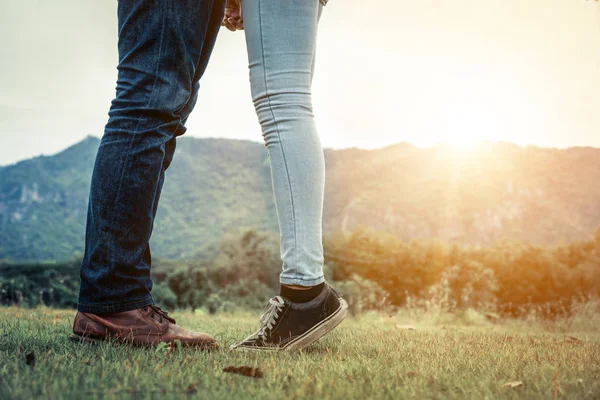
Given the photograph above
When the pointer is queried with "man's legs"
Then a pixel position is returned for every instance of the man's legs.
(164, 47)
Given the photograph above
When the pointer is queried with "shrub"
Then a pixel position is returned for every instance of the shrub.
(31, 284)
(248, 255)
(511, 278)
(362, 294)
(372, 270)
(164, 296)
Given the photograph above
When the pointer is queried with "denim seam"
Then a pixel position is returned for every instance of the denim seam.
(116, 303)
(196, 67)
(301, 281)
(311, 279)
(116, 306)
(262, 46)
(148, 101)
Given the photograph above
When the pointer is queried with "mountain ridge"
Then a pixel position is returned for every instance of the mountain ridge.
(499, 191)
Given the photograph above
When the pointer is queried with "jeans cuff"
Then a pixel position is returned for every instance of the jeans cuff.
(301, 281)
(115, 307)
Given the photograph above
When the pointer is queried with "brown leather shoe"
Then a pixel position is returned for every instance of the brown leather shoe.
(145, 326)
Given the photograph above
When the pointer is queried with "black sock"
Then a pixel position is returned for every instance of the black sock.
(301, 296)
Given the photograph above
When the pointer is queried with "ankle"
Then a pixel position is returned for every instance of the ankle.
(300, 294)
(297, 287)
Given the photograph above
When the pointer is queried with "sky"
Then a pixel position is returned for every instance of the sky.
(417, 71)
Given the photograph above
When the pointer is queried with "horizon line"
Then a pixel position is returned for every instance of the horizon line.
(441, 143)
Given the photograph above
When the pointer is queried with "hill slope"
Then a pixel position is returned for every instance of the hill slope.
(500, 191)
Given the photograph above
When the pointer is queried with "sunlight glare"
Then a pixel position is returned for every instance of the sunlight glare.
(468, 124)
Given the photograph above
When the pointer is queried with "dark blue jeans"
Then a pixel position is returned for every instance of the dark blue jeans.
(164, 48)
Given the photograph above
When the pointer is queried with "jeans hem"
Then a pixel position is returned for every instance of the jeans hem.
(115, 307)
(301, 281)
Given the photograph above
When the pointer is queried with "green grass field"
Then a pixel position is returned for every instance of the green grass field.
(366, 357)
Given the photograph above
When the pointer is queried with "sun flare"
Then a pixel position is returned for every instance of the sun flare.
(464, 142)
(468, 124)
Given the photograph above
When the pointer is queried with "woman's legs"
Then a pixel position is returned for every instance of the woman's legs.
(281, 40)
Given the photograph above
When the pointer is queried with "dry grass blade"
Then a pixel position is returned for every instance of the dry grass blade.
(244, 370)
(572, 339)
(512, 384)
(406, 327)
(555, 384)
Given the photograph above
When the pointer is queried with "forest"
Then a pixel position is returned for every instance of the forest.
(373, 270)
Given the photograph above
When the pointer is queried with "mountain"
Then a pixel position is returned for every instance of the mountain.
(497, 191)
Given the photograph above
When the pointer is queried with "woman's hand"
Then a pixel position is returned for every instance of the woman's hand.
(233, 15)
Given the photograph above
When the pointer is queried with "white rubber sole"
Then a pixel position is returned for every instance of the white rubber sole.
(320, 330)
(312, 335)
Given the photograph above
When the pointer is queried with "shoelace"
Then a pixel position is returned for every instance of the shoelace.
(161, 314)
(268, 319)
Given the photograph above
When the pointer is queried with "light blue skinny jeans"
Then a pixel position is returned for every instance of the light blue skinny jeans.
(281, 38)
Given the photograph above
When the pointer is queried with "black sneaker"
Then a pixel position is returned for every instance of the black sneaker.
(293, 326)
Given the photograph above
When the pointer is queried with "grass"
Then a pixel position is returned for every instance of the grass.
(366, 357)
